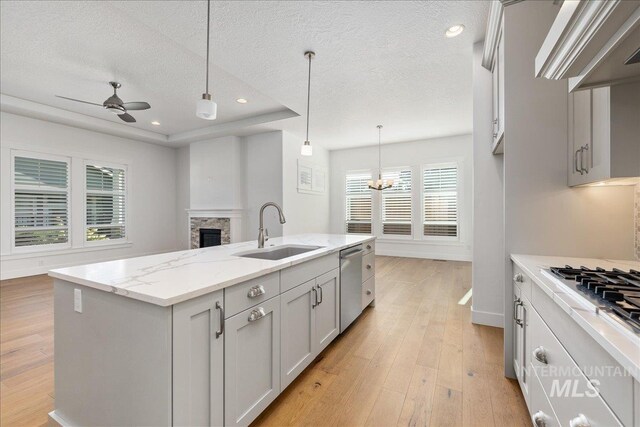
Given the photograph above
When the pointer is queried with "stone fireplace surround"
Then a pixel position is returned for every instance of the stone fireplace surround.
(229, 221)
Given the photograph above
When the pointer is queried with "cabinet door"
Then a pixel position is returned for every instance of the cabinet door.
(580, 137)
(495, 98)
(298, 330)
(518, 332)
(525, 307)
(598, 158)
(328, 309)
(251, 362)
(198, 370)
(500, 64)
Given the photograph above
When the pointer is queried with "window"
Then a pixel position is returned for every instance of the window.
(358, 197)
(105, 202)
(41, 201)
(396, 203)
(440, 201)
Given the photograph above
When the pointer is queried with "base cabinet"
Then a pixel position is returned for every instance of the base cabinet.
(310, 321)
(251, 362)
(198, 352)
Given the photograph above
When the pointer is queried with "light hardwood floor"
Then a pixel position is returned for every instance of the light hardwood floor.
(415, 359)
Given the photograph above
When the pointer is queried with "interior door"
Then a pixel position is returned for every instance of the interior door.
(298, 330)
(251, 362)
(327, 311)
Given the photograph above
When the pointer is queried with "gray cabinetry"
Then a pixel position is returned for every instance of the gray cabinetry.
(198, 351)
(251, 362)
(603, 135)
(327, 322)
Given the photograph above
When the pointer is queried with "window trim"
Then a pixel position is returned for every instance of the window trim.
(106, 242)
(12, 217)
(443, 164)
(382, 234)
(345, 222)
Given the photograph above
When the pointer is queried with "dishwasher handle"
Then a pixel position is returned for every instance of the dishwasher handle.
(352, 254)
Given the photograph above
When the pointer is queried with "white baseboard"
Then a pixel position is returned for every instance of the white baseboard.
(420, 254)
(487, 319)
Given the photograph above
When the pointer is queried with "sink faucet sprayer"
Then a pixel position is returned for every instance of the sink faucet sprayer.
(262, 233)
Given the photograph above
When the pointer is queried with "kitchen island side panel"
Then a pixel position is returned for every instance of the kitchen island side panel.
(112, 360)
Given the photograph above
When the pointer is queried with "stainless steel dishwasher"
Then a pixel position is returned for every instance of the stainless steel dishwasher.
(350, 285)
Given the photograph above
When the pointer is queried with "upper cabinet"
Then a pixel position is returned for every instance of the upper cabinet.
(493, 60)
(592, 43)
(604, 141)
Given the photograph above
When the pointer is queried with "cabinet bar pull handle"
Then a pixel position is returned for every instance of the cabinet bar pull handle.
(582, 167)
(540, 355)
(516, 301)
(221, 310)
(575, 162)
(256, 291)
(315, 297)
(321, 298)
(539, 419)
(256, 314)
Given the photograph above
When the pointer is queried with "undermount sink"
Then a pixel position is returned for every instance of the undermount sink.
(278, 252)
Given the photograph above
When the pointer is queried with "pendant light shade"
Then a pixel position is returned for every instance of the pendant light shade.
(205, 107)
(380, 184)
(306, 149)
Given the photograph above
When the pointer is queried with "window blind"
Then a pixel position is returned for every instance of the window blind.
(105, 203)
(358, 202)
(396, 203)
(41, 201)
(440, 201)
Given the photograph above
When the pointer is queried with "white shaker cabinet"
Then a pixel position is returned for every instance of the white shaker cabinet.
(251, 362)
(604, 141)
(497, 71)
(198, 352)
(310, 321)
(521, 335)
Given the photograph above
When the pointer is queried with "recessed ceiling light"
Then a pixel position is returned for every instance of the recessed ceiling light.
(155, 123)
(241, 101)
(454, 30)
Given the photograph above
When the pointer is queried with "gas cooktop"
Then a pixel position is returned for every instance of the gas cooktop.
(614, 291)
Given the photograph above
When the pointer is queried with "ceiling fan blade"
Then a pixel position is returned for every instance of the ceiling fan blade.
(127, 118)
(136, 105)
(77, 100)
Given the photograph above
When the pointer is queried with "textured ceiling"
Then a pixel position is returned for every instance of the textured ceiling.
(377, 62)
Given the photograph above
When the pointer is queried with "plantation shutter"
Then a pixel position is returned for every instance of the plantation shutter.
(440, 199)
(105, 203)
(396, 203)
(41, 201)
(358, 201)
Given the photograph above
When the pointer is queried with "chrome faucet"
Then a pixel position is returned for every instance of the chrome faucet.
(262, 233)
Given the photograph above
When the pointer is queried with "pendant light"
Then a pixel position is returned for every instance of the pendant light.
(206, 108)
(306, 149)
(379, 184)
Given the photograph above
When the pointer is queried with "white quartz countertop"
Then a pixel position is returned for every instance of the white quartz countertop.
(169, 278)
(623, 345)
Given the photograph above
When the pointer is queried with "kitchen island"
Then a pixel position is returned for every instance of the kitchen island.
(200, 337)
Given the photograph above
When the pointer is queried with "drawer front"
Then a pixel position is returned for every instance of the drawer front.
(569, 391)
(369, 247)
(301, 273)
(368, 292)
(368, 266)
(615, 388)
(522, 281)
(240, 297)
(541, 411)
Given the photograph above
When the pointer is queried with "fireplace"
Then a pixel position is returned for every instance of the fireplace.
(227, 221)
(210, 237)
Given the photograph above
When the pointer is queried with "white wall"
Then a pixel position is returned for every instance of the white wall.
(217, 174)
(152, 191)
(264, 182)
(306, 213)
(542, 215)
(183, 196)
(414, 154)
(488, 204)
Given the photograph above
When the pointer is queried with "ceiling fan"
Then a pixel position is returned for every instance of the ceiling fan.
(115, 105)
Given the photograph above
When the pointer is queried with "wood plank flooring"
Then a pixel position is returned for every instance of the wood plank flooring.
(413, 360)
